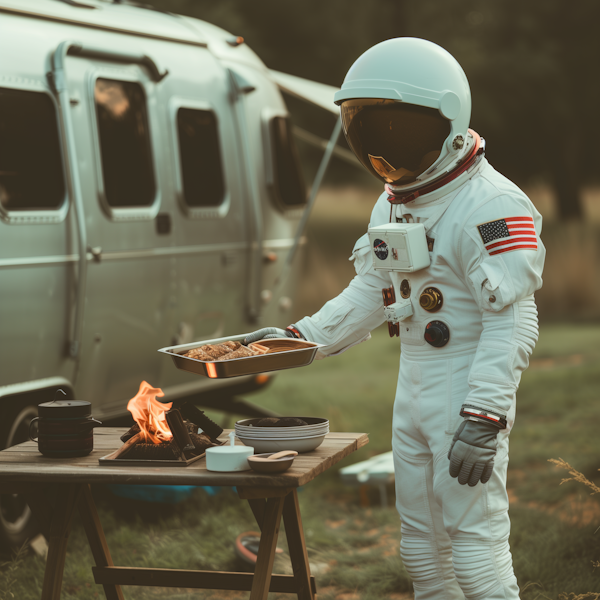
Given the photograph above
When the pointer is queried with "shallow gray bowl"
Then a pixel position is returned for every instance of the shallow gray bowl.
(279, 465)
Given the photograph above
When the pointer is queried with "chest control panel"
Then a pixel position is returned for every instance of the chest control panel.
(437, 334)
(399, 247)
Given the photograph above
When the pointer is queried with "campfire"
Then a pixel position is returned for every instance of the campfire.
(149, 414)
(163, 433)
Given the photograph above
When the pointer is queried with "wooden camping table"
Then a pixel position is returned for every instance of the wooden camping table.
(24, 470)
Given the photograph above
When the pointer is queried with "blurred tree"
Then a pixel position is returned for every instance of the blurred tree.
(530, 66)
(534, 91)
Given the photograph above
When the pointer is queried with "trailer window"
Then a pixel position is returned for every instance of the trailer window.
(289, 186)
(200, 152)
(31, 172)
(125, 149)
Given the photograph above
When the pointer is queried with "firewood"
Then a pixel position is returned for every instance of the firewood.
(201, 443)
(135, 428)
(208, 426)
(149, 451)
(179, 430)
(125, 447)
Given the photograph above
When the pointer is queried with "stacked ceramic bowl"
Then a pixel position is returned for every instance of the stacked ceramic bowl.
(302, 438)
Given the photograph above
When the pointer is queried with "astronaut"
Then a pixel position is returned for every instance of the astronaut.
(455, 249)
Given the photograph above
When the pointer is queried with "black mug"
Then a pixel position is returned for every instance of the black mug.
(65, 428)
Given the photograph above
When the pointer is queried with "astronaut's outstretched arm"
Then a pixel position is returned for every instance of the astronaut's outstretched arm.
(344, 321)
(347, 319)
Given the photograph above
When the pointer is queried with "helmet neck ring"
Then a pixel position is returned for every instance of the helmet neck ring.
(467, 162)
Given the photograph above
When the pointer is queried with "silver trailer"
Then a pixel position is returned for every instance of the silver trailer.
(150, 195)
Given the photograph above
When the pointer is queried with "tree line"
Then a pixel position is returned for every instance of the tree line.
(531, 67)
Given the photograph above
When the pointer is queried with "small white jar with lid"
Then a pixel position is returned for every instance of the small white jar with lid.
(228, 458)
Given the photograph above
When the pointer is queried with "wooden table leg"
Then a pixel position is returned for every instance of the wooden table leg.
(96, 539)
(66, 498)
(257, 506)
(297, 546)
(37, 497)
(266, 549)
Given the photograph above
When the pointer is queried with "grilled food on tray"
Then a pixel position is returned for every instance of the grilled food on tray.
(230, 350)
(224, 351)
(239, 353)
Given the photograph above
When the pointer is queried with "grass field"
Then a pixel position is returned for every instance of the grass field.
(353, 548)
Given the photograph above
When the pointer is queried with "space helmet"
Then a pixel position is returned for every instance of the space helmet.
(405, 108)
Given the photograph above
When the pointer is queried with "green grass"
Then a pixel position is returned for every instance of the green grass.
(354, 549)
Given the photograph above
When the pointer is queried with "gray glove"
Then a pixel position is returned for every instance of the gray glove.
(268, 333)
(472, 452)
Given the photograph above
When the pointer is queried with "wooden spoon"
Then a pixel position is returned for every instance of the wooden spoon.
(275, 456)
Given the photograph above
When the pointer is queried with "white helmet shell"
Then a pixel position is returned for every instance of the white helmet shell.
(418, 72)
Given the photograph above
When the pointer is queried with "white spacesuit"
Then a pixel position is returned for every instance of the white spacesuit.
(467, 320)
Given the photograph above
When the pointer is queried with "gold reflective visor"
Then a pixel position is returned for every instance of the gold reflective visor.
(389, 174)
(395, 141)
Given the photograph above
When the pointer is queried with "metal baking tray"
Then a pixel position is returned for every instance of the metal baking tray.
(248, 365)
(144, 462)
(110, 460)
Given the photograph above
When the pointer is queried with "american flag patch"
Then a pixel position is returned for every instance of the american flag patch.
(510, 233)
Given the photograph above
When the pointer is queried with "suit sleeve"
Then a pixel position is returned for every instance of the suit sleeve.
(348, 319)
(502, 257)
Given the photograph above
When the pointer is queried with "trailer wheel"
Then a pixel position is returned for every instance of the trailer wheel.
(16, 521)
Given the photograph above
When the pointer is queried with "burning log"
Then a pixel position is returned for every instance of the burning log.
(179, 430)
(201, 442)
(126, 446)
(133, 430)
(149, 451)
(195, 415)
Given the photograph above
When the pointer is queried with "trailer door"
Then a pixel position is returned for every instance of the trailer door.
(114, 138)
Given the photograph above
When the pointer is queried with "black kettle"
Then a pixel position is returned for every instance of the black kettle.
(65, 428)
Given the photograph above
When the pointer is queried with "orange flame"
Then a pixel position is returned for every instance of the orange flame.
(149, 414)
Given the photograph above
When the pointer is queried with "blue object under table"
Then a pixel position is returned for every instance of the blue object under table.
(166, 494)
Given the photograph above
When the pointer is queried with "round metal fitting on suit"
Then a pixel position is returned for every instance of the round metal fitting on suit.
(431, 299)
(458, 142)
(492, 299)
(405, 288)
(437, 334)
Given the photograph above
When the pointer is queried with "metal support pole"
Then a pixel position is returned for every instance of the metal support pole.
(59, 81)
(240, 87)
(311, 200)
